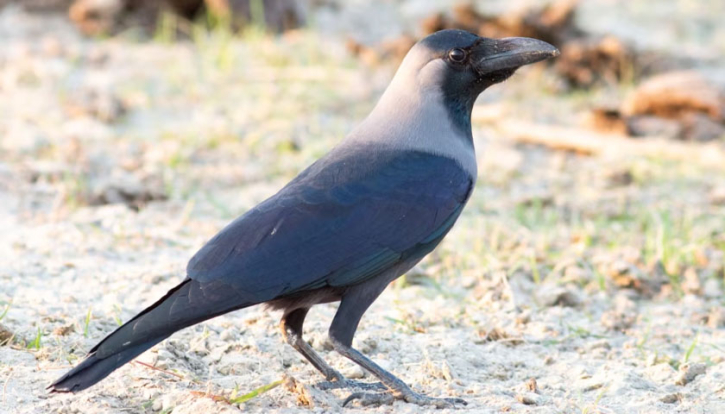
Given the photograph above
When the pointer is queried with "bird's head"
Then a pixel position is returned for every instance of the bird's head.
(459, 62)
(457, 66)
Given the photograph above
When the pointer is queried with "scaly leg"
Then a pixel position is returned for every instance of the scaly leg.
(353, 305)
(291, 325)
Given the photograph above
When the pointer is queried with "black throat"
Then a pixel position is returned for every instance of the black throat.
(459, 108)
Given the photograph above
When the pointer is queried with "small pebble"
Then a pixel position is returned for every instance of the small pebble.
(168, 402)
(164, 354)
(651, 360)
(528, 398)
(688, 372)
(384, 364)
(598, 344)
(716, 317)
(552, 295)
(591, 385)
(671, 398)
(354, 372)
(5, 334)
(711, 288)
(226, 335)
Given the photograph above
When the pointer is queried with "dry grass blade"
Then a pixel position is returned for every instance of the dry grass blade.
(255, 393)
(215, 397)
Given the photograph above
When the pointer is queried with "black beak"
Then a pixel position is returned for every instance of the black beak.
(511, 53)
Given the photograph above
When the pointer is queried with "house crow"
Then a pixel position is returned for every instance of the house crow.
(349, 224)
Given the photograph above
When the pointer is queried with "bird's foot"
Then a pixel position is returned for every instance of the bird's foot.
(366, 398)
(346, 383)
(410, 396)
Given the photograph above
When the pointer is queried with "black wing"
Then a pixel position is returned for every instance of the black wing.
(348, 217)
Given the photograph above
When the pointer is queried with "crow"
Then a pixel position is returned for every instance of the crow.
(349, 224)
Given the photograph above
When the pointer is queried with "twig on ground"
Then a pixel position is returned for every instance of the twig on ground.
(160, 370)
(588, 142)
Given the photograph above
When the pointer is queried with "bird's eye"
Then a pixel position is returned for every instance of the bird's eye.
(457, 55)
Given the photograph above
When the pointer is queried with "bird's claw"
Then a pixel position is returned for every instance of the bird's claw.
(346, 383)
(366, 399)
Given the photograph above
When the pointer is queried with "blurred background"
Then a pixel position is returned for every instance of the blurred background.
(586, 274)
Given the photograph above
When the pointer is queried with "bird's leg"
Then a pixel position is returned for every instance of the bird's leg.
(343, 327)
(291, 325)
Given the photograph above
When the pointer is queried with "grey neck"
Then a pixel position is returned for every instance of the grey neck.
(407, 118)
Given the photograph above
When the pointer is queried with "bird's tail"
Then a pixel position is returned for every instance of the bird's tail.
(187, 304)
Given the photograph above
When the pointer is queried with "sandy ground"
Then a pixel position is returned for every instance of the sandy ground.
(570, 285)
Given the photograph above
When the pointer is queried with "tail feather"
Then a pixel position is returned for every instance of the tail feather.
(187, 304)
(94, 369)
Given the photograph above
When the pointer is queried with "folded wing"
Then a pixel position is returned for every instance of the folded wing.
(343, 220)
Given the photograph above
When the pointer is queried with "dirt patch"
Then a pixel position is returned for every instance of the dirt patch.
(574, 281)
